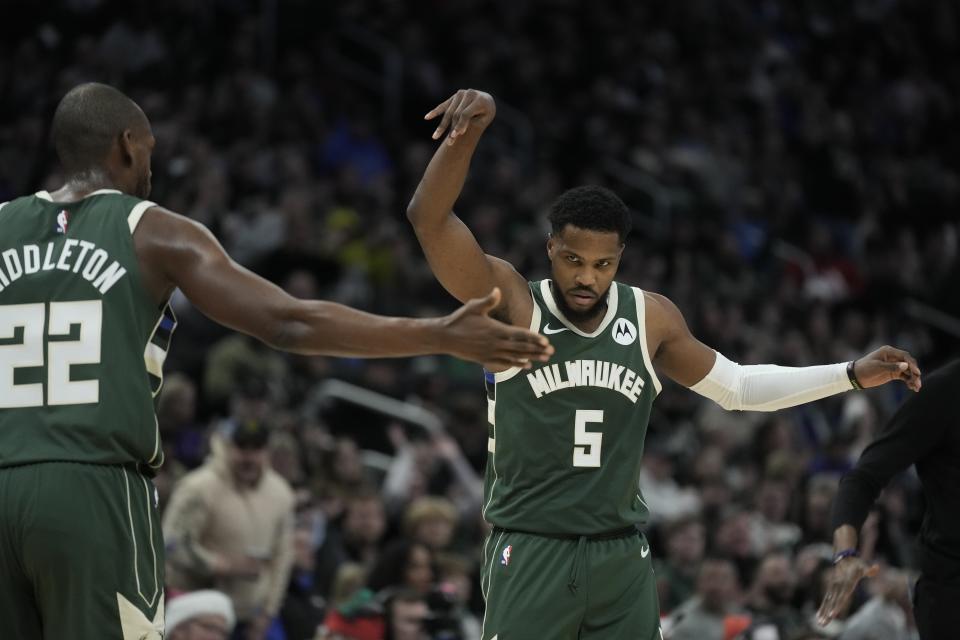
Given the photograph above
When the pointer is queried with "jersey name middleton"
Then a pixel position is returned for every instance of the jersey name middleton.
(566, 438)
(82, 344)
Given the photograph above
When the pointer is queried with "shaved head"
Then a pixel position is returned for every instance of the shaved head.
(87, 122)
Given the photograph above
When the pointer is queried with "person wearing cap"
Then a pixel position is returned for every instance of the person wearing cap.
(200, 615)
(229, 526)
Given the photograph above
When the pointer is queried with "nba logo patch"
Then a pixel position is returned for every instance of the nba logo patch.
(505, 556)
(63, 219)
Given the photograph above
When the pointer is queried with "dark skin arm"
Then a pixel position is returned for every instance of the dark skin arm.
(454, 255)
(465, 270)
(175, 252)
(845, 577)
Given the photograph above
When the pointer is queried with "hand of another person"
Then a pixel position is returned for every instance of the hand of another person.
(446, 446)
(228, 566)
(471, 334)
(465, 108)
(844, 578)
(886, 364)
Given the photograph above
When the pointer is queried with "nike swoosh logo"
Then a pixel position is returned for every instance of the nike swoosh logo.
(547, 330)
(644, 552)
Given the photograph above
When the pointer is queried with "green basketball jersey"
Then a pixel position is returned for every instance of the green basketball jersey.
(82, 344)
(566, 437)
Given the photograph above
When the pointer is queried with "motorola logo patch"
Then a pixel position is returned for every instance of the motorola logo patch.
(624, 332)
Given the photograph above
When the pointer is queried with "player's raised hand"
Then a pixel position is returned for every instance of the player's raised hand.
(844, 578)
(464, 109)
(470, 333)
(886, 364)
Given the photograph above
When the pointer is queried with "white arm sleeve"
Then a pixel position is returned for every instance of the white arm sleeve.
(768, 387)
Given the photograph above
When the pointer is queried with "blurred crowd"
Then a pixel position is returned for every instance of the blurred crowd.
(792, 171)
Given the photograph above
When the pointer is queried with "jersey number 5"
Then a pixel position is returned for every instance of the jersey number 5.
(586, 452)
(65, 348)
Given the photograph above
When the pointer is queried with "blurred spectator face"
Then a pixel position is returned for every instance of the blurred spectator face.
(819, 501)
(365, 520)
(717, 585)
(202, 627)
(775, 579)
(347, 465)
(685, 544)
(714, 493)
(303, 551)
(436, 533)
(774, 500)
(407, 618)
(733, 536)
(178, 402)
(248, 463)
(658, 464)
(418, 574)
(251, 402)
(584, 264)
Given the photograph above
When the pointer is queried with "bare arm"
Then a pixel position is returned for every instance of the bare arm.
(675, 352)
(177, 252)
(454, 255)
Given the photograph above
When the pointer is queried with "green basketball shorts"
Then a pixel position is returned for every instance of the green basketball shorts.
(568, 589)
(81, 553)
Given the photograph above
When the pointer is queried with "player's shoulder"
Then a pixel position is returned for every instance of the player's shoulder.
(660, 305)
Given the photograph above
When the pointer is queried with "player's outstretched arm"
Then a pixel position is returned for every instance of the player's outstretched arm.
(177, 252)
(686, 360)
(454, 255)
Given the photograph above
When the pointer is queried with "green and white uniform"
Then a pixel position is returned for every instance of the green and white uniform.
(82, 347)
(565, 559)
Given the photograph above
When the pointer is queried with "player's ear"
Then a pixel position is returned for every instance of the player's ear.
(551, 245)
(125, 141)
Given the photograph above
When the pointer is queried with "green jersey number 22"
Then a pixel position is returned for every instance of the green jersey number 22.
(27, 351)
(586, 450)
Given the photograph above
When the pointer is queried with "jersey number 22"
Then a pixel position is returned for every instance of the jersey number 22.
(64, 349)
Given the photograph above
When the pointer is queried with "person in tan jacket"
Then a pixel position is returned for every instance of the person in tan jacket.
(229, 526)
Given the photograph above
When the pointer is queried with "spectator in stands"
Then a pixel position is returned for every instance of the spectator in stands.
(684, 541)
(715, 609)
(771, 594)
(431, 521)
(303, 606)
(407, 613)
(403, 564)
(230, 526)
(199, 615)
(354, 538)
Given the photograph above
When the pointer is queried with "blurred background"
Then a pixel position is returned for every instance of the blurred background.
(792, 169)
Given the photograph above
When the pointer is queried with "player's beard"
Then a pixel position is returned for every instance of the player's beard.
(571, 314)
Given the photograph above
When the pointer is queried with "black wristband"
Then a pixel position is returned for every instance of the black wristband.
(853, 376)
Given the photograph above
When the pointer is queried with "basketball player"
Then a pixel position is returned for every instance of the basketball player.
(86, 274)
(565, 559)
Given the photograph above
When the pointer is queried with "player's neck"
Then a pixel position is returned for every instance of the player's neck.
(80, 185)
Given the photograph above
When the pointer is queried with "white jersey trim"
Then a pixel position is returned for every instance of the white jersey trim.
(3, 204)
(612, 301)
(137, 212)
(503, 376)
(45, 195)
(642, 330)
